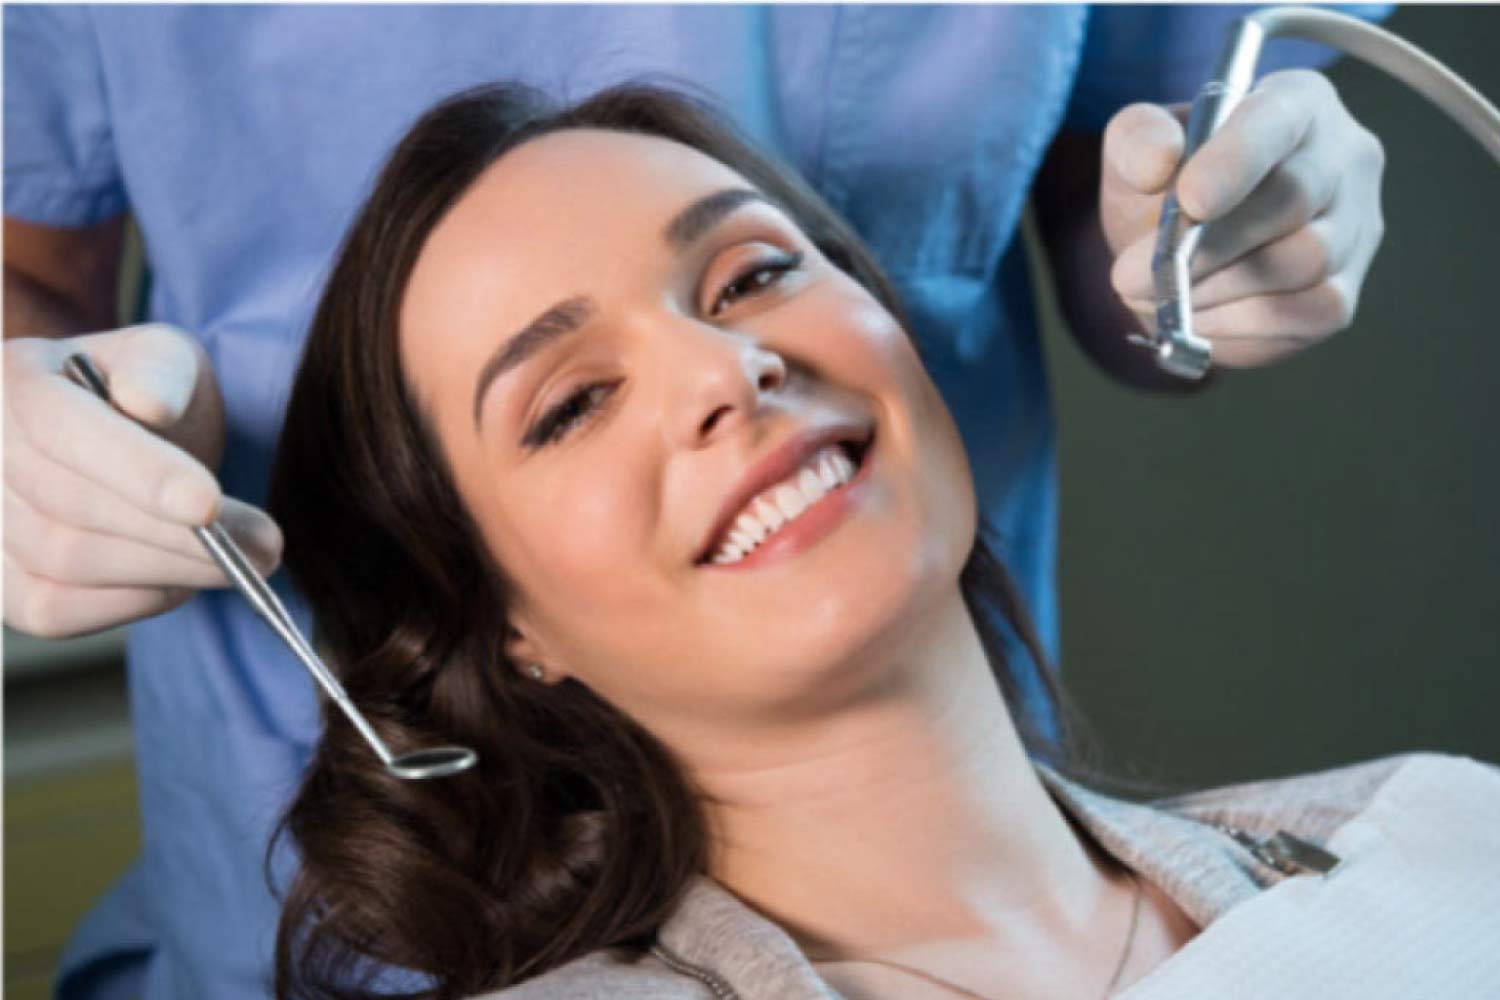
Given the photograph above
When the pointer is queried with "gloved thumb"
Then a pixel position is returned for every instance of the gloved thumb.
(152, 371)
(1142, 146)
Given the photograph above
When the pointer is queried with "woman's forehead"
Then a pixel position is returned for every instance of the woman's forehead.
(581, 203)
(592, 180)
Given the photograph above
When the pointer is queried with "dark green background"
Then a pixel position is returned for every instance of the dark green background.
(1298, 567)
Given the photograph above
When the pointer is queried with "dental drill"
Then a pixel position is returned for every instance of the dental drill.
(1178, 350)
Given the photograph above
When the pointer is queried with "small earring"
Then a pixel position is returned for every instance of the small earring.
(536, 671)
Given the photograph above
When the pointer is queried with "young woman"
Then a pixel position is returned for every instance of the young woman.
(612, 456)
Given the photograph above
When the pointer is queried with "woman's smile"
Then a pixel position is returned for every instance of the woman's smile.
(826, 491)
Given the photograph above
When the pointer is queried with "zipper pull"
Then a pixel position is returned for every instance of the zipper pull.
(1286, 853)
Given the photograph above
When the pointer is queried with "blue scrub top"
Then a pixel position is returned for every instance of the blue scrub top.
(243, 139)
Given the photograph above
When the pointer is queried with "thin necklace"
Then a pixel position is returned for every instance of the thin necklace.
(1109, 987)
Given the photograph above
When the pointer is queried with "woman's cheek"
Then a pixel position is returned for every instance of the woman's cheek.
(922, 428)
(592, 527)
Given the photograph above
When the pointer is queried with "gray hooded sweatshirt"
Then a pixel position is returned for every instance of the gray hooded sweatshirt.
(715, 946)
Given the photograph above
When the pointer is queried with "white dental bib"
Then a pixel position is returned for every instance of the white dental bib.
(1412, 913)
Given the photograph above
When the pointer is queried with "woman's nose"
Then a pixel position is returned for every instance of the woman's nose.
(718, 378)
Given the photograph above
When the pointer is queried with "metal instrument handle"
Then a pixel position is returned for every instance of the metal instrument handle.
(232, 560)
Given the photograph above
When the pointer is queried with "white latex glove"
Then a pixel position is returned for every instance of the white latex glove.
(99, 507)
(1290, 188)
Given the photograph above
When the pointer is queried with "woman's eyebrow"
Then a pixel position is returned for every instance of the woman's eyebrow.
(702, 215)
(685, 229)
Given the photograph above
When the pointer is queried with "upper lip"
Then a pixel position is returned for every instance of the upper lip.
(774, 466)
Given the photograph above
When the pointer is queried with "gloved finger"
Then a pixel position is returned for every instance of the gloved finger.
(151, 370)
(1301, 259)
(1314, 254)
(1290, 197)
(52, 610)
(1263, 130)
(78, 430)
(60, 494)
(63, 554)
(161, 554)
(58, 551)
(1297, 191)
(254, 531)
(1141, 147)
(1255, 331)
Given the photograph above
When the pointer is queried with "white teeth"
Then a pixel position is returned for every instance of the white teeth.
(768, 513)
(790, 500)
(811, 486)
(752, 526)
(844, 465)
(729, 552)
(776, 507)
(827, 473)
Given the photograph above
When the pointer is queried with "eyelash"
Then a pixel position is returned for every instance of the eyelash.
(778, 266)
(557, 422)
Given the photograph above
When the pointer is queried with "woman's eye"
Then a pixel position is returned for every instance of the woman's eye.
(558, 421)
(757, 278)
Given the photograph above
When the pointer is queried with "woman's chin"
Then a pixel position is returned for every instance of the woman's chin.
(831, 600)
(834, 639)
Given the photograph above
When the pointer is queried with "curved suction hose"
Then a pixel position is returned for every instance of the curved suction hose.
(1177, 349)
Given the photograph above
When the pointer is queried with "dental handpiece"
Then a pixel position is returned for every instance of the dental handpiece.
(430, 762)
(1178, 349)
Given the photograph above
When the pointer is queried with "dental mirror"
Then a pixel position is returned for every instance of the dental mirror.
(413, 765)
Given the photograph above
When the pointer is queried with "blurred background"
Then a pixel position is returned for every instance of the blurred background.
(1293, 570)
(1300, 567)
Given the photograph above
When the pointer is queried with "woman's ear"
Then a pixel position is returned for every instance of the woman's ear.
(529, 657)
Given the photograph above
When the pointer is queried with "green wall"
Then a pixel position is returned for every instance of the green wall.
(1300, 567)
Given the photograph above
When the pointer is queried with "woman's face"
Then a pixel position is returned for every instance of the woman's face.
(684, 349)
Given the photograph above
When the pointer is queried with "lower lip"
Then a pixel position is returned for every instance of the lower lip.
(812, 524)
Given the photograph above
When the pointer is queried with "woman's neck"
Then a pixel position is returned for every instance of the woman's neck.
(911, 819)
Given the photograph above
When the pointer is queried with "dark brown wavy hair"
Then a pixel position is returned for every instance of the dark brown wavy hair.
(577, 830)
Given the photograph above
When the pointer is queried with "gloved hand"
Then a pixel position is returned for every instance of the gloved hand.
(1290, 188)
(99, 507)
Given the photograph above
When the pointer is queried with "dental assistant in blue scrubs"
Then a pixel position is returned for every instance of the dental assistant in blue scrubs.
(240, 139)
